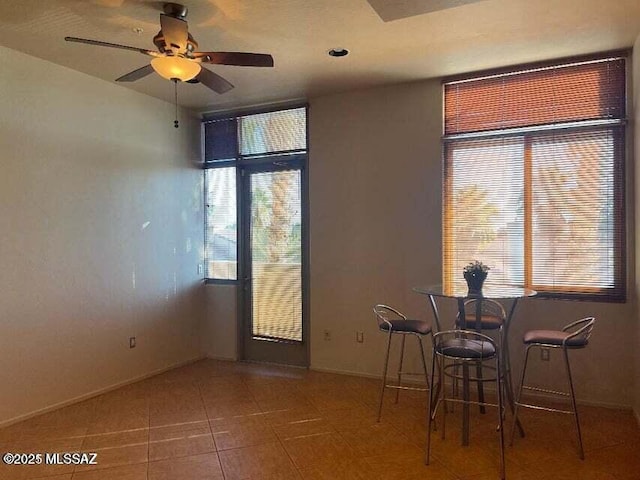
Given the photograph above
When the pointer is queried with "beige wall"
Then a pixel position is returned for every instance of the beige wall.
(101, 216)
(220, 331)
(375, 199)
(375, 192)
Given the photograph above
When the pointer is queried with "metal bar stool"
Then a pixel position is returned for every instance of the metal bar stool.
(391, 321)
(464, 348)
(573, 336)
(482, 315)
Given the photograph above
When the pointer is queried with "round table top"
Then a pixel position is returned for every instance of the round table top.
(489, 290)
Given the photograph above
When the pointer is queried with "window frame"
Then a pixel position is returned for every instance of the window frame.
(240, 162)
(528, 134)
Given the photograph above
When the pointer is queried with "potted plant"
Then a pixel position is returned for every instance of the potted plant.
(475, 274)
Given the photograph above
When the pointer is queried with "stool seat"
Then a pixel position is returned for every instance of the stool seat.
(554, 337)
(408, 326)
(466, 348)
(487, 322)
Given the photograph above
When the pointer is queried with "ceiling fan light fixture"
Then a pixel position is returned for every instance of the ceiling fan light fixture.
(177, 56)
(174, 67)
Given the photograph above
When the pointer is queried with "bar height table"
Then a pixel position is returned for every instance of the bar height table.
(494, 292)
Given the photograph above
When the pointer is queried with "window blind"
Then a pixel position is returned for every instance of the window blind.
(276, 251)
(544, 207)
(220, 140)
(565, 93)
(221, 232)
(281, 131)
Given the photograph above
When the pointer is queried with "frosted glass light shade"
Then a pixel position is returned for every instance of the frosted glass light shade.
(175, 67)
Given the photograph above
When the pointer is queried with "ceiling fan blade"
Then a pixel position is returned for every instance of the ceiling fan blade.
(241, 59)
(136, 74)
(175, 32)
(213, 81)
(111, 45)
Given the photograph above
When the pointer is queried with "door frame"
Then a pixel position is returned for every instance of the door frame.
(271, 163)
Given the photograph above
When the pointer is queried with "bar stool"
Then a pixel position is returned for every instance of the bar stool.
(573, 336)
(391, 321)
(464, 348)
(492, 317)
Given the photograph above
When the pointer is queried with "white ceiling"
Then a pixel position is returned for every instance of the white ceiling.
(394, 42)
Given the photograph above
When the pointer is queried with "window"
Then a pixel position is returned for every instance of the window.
(533, 178)
(221, 225)
(230, 143)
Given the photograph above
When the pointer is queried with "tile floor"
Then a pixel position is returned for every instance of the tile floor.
(225, 420)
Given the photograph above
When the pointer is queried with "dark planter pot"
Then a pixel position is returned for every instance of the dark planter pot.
(475, 280)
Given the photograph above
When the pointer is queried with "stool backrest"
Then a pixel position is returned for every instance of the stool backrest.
(488, 308)
(581, 331)
(385, 314)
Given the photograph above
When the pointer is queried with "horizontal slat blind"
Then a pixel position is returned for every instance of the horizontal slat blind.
(576, 213)
(220, 140)
(276, 252)
(484, 210)
(221, 234)
(570, 93)
(279, 131)
(543, 208)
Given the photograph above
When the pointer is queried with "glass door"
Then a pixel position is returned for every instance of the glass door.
(274, 328)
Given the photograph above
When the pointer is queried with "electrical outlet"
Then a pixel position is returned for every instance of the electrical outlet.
(545, 354)
(327, 335)
(132, 342)
(200, 269)
(360, 337)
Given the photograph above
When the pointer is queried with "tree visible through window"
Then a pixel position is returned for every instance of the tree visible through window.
(534, 169)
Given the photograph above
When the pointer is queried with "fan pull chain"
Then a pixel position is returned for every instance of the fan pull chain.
(176, 124)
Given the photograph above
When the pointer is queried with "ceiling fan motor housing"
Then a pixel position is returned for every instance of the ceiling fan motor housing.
(175, 10)
(162, 46)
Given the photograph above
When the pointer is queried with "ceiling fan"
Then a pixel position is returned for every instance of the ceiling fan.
(177, 57)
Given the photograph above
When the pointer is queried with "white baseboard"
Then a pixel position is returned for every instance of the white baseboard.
(95, 393)
(583, 402)
(222, 358)
(345, 372)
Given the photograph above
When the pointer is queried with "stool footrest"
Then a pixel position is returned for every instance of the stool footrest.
(544, 390)
(472, 402)
(414, 374)
(547, 409)
(471, 377)
(402, 387)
